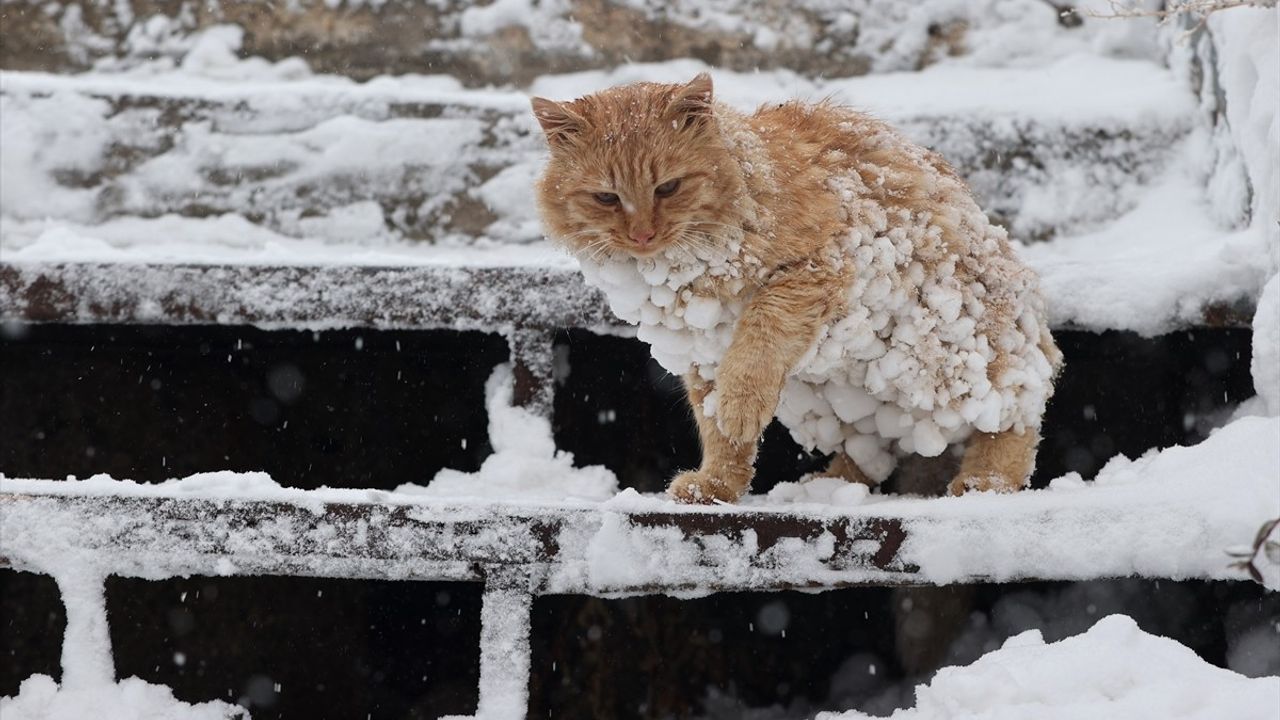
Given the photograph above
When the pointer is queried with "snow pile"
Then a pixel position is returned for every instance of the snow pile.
(1157, 266)
(160, 44)
(218, 484)
(40, 698)
(525, 464)
(230, 239)
(89, 688)
(63, 134)
(830, 491)
(1113, 671)
(1172, 513)
(214, 53)
(549, 23)
(1266, 348)
(1248, 73)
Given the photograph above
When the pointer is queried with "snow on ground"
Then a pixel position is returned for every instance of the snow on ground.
(1149, 269)
(525, 464)
(1114, 671)
(1172, 513)
(1169, 514)
(1265, 363)
(1156, 266)
(40, 698)
(230, 239)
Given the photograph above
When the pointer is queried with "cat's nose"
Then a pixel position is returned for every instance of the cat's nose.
(641, 236)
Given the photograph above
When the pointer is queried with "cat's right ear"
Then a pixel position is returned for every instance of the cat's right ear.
(557, 120)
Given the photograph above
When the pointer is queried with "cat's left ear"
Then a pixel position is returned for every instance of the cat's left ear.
(691, 102)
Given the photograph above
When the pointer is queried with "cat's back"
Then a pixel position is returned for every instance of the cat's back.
(821, 140)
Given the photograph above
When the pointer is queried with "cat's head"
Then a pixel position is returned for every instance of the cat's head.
(635, 169)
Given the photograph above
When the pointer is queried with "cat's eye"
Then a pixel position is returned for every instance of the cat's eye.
(607, 198)
(667, 188)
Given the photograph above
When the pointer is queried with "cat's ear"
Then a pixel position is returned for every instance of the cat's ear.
(691, 102)
(557, 120)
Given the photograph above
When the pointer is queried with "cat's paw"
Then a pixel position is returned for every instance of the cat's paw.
(699, 487)
(743, 409)
(991, 482)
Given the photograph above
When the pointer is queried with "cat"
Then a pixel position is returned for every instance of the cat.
(805, 262)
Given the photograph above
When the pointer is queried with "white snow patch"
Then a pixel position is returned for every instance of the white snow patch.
(214, 54)
(40, 698)
(1114, 671)
(230, 239)
(525, 463)
(1158, 265)
(829, 491)
(1079, 88)
(1266, 347)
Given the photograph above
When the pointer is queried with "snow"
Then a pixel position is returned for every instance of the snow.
(40, 698)
(504, 653)
(1114, 670)
(1156, 267)
(1174, 511)
(213, 53)
(1265, 363)
(89, 688)
(1169, 514)
(1248, 71)
(324, 130)
(230, 239)
(525, 463)
(1067, 90)
(297, 134)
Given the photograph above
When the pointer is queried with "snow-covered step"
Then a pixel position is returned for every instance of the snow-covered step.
(478, 291)
(1048, 150)
(1156, 517)
(517, 40)
(531, 288)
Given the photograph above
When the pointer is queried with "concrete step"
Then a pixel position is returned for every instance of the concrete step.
(514, 41)
(1048, 151)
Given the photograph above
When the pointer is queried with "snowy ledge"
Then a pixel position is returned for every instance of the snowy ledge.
(486, 290)
(1174, 515)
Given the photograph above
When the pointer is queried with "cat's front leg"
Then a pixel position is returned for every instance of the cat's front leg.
(747, 392)
(727, 468)
(776, 329)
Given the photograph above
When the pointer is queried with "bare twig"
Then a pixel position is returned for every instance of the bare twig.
(1262, 544)
(1199, 10)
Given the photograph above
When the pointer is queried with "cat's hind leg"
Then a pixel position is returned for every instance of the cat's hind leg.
(727, 467)
(1000, 461)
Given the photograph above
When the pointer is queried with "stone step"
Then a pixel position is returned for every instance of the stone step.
(514, 41)
(487, 291)
(1048, 151)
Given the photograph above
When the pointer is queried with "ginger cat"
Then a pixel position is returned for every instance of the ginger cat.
(804, 262)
